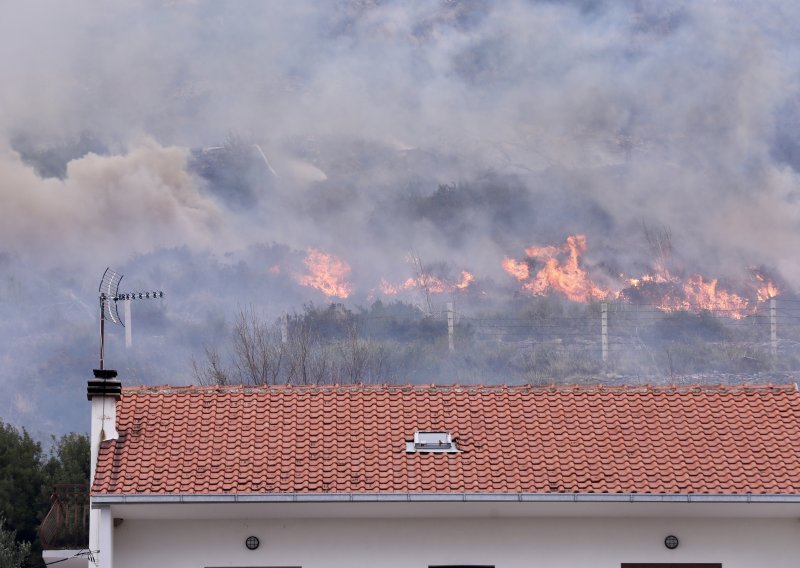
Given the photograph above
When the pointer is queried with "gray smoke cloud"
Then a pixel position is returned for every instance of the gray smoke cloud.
(198, 145)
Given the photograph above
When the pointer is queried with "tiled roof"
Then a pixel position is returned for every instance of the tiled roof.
(672, 440)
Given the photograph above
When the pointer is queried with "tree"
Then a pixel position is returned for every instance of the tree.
(21, 480)
(66, 478)
(257, 358)
(26, 484)
(69, 461)
(258, 350)
(320, 345)
(213, 372)
(308, 357)
(13, 554)
(361, 360)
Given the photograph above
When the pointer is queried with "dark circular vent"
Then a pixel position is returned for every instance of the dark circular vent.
(252, 542)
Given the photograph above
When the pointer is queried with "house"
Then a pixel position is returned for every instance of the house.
(445, 476)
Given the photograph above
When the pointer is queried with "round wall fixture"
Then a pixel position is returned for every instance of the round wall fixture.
(252, 542)
(671, 542)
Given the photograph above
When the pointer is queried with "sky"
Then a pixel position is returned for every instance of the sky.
(203, 148)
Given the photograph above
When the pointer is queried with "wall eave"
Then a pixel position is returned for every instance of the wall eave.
(101, 499)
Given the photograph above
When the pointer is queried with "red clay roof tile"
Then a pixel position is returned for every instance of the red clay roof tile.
(697, 439)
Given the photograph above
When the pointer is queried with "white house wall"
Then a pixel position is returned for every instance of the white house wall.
(419, 543)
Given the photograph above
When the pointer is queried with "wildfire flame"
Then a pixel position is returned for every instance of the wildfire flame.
(466, 279)
(433, 284)
(516, 268)
(698, 294)
(327, 274)
(558, 269)
(766, 289)
(561, 271)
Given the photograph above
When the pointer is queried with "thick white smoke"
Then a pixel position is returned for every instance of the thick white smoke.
(105, 207)
(193, 138)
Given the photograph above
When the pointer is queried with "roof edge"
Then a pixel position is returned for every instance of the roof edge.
(104, 499)
(460, 388)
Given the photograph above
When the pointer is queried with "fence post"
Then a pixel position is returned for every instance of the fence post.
(450, 326)
(773, 330)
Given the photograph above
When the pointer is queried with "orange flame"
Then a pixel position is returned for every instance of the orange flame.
(516, 268)
(767, 290)
(561, 271)
(328, 274)
(699, 294)
(389, 289)
(433, 284)
(466, 279)
(661, 276)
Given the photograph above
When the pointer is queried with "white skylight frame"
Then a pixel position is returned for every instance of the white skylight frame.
(432, 441)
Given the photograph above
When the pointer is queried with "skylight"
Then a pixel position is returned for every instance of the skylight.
(432, 441)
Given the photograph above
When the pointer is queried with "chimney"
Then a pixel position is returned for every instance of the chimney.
(103, 391)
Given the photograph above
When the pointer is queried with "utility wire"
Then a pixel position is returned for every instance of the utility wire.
(88, 553)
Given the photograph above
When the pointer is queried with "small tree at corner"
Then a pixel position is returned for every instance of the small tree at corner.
(13, 554)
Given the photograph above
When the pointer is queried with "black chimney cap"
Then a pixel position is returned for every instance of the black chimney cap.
(104, 373)
(104, 384)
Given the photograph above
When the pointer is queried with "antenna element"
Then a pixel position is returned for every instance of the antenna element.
(109, 296)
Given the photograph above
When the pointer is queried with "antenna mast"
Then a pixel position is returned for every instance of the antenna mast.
(109, 296)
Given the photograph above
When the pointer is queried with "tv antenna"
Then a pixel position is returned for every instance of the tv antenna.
(109, 296)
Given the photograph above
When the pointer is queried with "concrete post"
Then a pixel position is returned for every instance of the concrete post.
(773, 329)
(450, 326)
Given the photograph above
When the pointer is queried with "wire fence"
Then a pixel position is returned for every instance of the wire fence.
(545, 340)
(636, 338)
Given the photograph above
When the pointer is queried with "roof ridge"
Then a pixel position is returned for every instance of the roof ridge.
(698, 387)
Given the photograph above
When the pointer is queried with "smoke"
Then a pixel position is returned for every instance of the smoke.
(202, 147)
(135, 203)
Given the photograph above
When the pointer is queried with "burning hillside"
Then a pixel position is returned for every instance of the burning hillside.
(429, 282)
(693, 293)
(327, 274)
(556, 269)
(560, 270)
